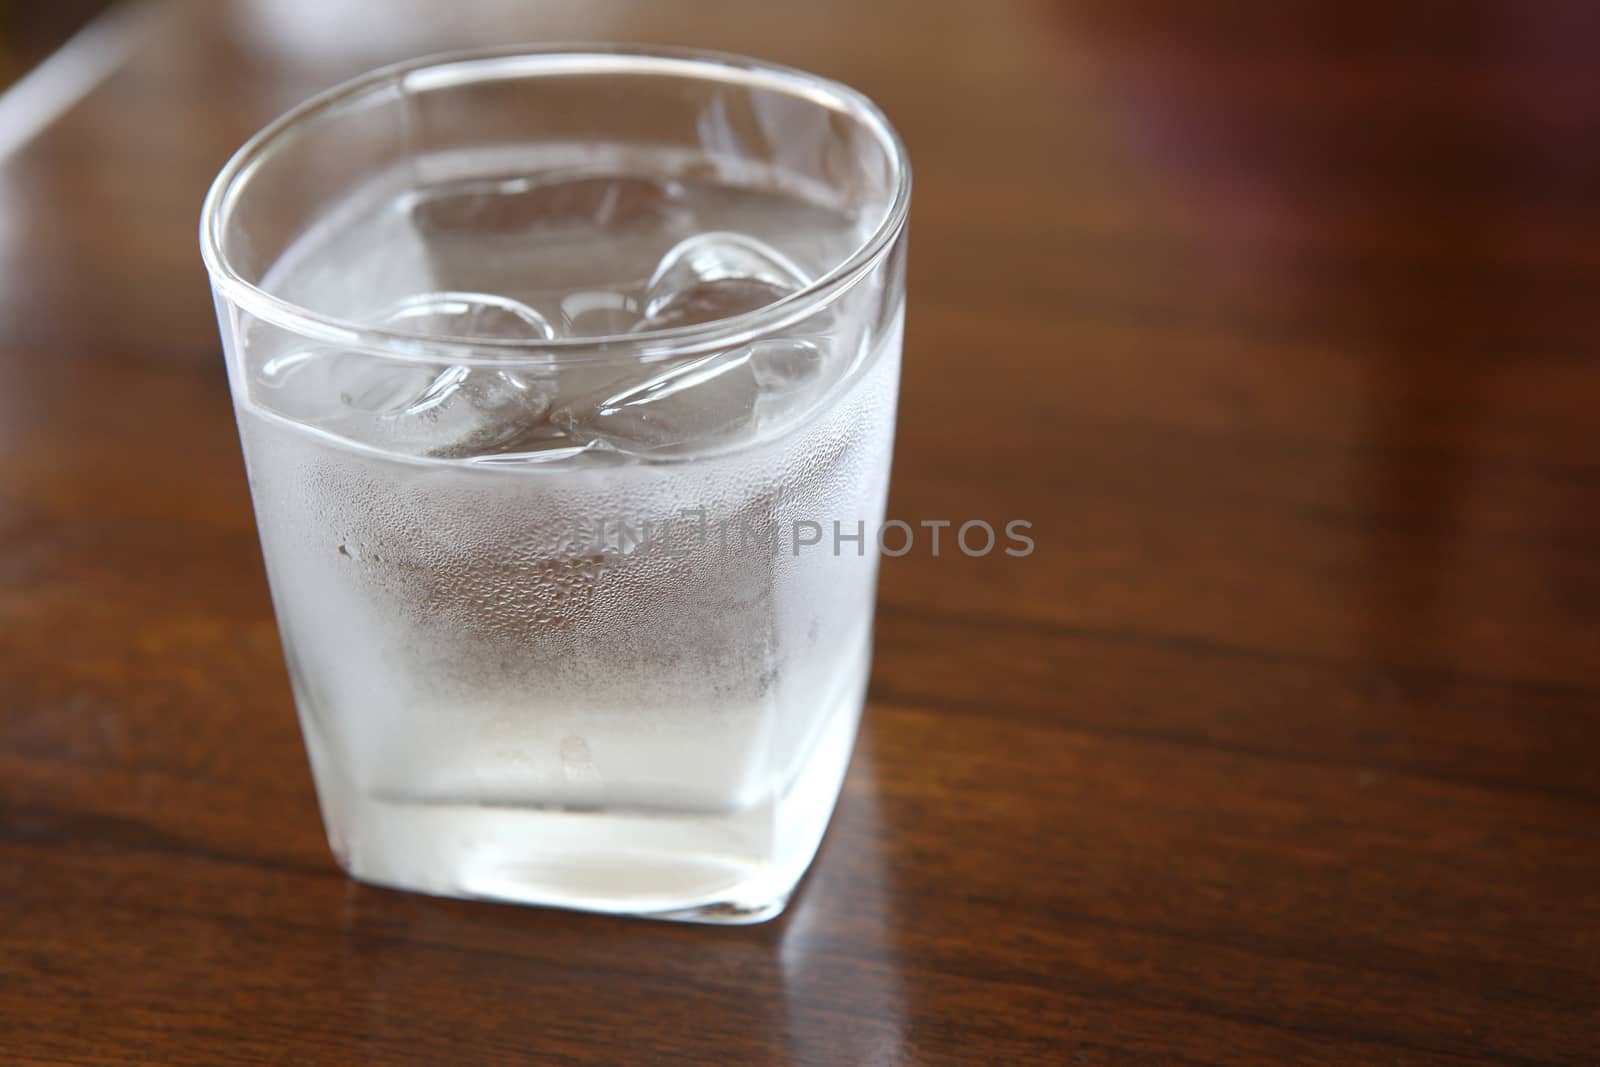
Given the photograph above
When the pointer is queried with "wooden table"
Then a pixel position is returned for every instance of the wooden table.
(1282, 329)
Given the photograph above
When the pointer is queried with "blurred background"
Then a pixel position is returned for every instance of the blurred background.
(31, 31)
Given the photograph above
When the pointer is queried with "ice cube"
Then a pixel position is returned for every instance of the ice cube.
(467, 316)
(539, 235)
(597, 312)
(541, 206)
(709, 400)
(469, 411)
(790, 373)
(414, 408)
(325, 385)
(782, 365)
(695, 401)
(473, 412)
(702, 402)
(716, 275)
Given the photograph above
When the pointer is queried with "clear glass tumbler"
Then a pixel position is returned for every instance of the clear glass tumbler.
(566, 382)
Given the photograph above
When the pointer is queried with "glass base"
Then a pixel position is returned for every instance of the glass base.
(733, 867)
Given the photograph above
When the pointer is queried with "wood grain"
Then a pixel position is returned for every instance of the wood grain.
(1278, 322)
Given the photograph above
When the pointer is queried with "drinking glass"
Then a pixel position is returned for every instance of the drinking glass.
(566, 383)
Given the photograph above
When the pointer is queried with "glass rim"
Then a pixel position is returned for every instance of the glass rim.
(510, 61)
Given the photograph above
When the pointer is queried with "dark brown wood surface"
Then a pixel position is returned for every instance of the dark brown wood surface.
(1281, 324)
